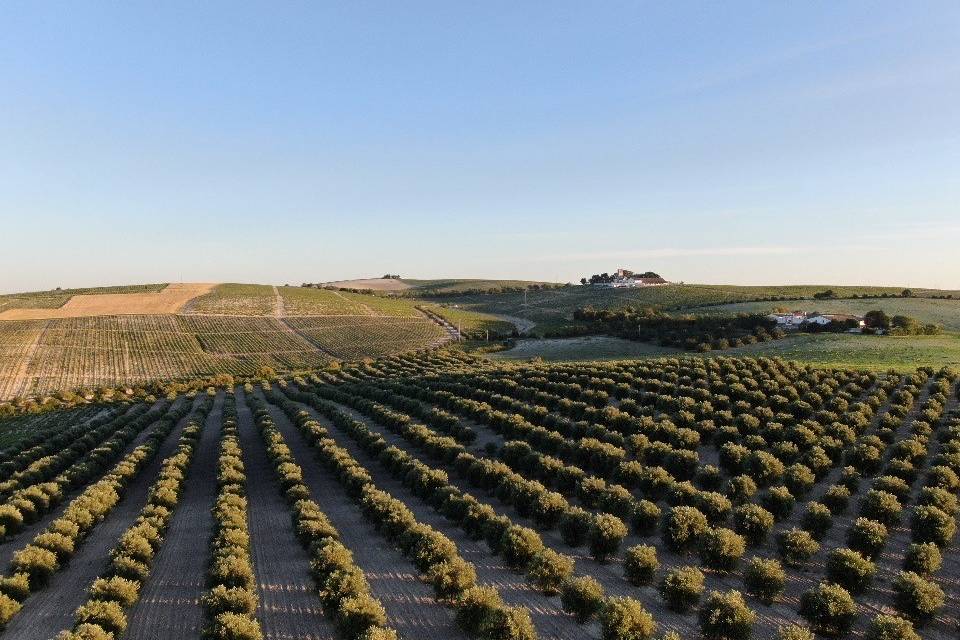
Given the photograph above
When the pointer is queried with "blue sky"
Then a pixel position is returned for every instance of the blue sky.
(741, 142)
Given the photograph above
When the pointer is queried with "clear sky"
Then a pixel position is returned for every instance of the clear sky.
(741, 142)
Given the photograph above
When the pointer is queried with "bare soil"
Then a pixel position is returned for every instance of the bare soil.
(169, 300)
(411, 606)
(47, 612)
(546, 612)
(289, 605)
(169, 605)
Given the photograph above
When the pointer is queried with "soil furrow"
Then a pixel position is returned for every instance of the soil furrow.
(410, 604)
(47, 612)
(289, 606)
(547, 615)
(169, 605)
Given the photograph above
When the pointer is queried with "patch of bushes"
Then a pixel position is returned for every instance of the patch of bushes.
(681, 588)
(764, 579)
(725, 616)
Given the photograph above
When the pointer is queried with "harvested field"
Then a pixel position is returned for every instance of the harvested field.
(168, 300)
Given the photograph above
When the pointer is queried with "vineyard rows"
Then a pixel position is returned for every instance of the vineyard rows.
(43, 356)
(436, 495)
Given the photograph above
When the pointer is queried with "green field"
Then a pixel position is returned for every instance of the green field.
(472, 323)
(877, 353)
(942, 312)
(551, 309)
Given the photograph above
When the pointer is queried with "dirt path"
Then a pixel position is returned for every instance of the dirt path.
(545, 611)
(523, 325)
(169, 605)
(410, 604)
(279, 309)
(289, 606)
(46, 613)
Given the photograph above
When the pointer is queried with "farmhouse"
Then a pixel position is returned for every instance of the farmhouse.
(791, 320)
(824, 319)
(627, 278)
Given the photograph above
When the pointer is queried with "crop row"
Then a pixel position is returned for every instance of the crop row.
(103, 615)
(33, 565)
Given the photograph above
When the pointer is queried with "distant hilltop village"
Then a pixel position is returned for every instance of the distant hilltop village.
(625, 278)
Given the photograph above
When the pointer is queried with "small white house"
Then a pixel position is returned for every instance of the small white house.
(788, 320)
(823, 319)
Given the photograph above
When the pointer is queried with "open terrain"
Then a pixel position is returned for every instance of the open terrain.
(86, 338)
(448, 448)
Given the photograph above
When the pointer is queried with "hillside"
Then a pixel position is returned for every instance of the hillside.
(116, 335)
(60, 340)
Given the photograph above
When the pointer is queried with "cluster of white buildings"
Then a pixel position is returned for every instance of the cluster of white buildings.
(797, 319)
(627, 278)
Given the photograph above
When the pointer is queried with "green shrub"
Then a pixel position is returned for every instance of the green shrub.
(10, 518)
(917, 598)
(867, 536)
(796, 546)
(817, 519)
(683, 527)
(518, 546)
(939, 498)
(740, 489)
(753, 522)
(828, 608)
(233, 626)
(681, 588)
(582, 597)
(358, 613)
(713, 505)
(640, 564)
(625, 619)
(509, 623)
(924, 559)
(16, 586)
(764, 579)
(725, 616)
(451, 578)
(104, 613)
(930, 524)
(850, 570)
(36, 562)
(886, 627)
(575, 525)
(837, 498)
(548, 569)
(606, 534)
(794, 632)
(221, 599)
(126, 592)
(721, 549)
(475, 608)
(778, 501)
(8, 608)
(644, 517)
(881, 506)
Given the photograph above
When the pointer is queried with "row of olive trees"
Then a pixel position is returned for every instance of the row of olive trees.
(33, 565)
(231, 600)
(480, 611)
(39, 495)
(103, 615)
(521, 548)
(59, 430)
(343, 587)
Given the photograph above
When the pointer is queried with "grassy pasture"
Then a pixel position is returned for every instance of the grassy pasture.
(554, 308)
(878, 353)
(943, 312)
